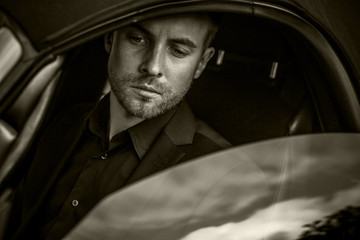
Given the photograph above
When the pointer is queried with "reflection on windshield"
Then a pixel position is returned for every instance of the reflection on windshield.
(290, 188)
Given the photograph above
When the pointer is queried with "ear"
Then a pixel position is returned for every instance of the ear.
(208, 53)
(108, 40)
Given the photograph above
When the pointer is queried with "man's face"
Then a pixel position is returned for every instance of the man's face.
(152, 64)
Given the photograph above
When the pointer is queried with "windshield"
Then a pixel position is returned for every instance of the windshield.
(288, 188)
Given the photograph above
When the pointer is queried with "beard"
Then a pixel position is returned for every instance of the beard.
(142, 106)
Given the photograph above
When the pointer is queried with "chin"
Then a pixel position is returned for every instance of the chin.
(144, 108)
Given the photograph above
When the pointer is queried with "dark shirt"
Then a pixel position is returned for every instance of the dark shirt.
(95, 169)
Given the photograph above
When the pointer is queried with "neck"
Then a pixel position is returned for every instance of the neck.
(120, 119)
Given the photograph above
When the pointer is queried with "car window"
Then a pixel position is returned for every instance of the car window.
(10, 51)
(263, 82)
(288, 188)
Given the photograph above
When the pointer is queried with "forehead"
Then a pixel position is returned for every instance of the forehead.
(190, 26)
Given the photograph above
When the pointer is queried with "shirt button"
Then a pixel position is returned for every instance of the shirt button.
(104, 156)
(75, 203)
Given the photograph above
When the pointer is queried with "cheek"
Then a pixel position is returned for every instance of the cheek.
(181, 73)
(124, 59)
(114, 60)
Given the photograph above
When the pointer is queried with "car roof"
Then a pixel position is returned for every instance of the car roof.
(45, 22)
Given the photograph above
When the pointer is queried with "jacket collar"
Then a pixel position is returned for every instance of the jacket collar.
(143, 135)
(181, 128)
(165, 151)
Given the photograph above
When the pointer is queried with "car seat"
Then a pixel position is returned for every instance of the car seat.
(253, 89)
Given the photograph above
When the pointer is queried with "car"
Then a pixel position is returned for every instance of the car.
(281, 68)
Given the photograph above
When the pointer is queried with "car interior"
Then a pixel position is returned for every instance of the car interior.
(263, 82)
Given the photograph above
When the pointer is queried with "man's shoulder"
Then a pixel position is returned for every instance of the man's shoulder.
(78, 111)
(205, 141)
(193, 136)
(70, 119)
(208, 132)
(184, 128)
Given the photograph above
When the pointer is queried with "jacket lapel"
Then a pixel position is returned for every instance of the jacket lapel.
(165, 151)
(162, 155)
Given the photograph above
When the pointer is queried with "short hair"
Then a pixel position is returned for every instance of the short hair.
(214, 19)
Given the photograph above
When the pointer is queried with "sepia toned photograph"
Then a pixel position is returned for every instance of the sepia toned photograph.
(180, 119)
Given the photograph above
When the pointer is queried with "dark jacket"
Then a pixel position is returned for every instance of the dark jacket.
(183, 138)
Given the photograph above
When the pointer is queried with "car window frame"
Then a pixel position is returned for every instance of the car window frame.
(337, 74)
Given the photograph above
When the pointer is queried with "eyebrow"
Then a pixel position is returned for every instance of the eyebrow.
(184, 41)
(141, 28)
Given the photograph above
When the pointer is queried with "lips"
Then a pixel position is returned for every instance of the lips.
(146, 91)
(147, 88)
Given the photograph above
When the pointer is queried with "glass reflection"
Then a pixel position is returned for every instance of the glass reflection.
(282, 189)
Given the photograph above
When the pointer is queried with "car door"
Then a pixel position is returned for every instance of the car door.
(27, 80)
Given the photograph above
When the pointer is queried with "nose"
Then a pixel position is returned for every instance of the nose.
(152, 62)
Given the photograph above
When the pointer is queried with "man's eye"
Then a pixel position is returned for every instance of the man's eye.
(178, 52)
(138, 40)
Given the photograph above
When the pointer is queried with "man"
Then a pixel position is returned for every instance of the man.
(141, 127)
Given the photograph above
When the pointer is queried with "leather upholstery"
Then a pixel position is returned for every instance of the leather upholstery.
(7, 137)
(303, 119)
(22, 119)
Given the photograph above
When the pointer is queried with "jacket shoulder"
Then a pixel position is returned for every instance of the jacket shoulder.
(205, 141)
(208, 132)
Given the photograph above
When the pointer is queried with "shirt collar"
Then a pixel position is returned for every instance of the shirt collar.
(142, 135)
